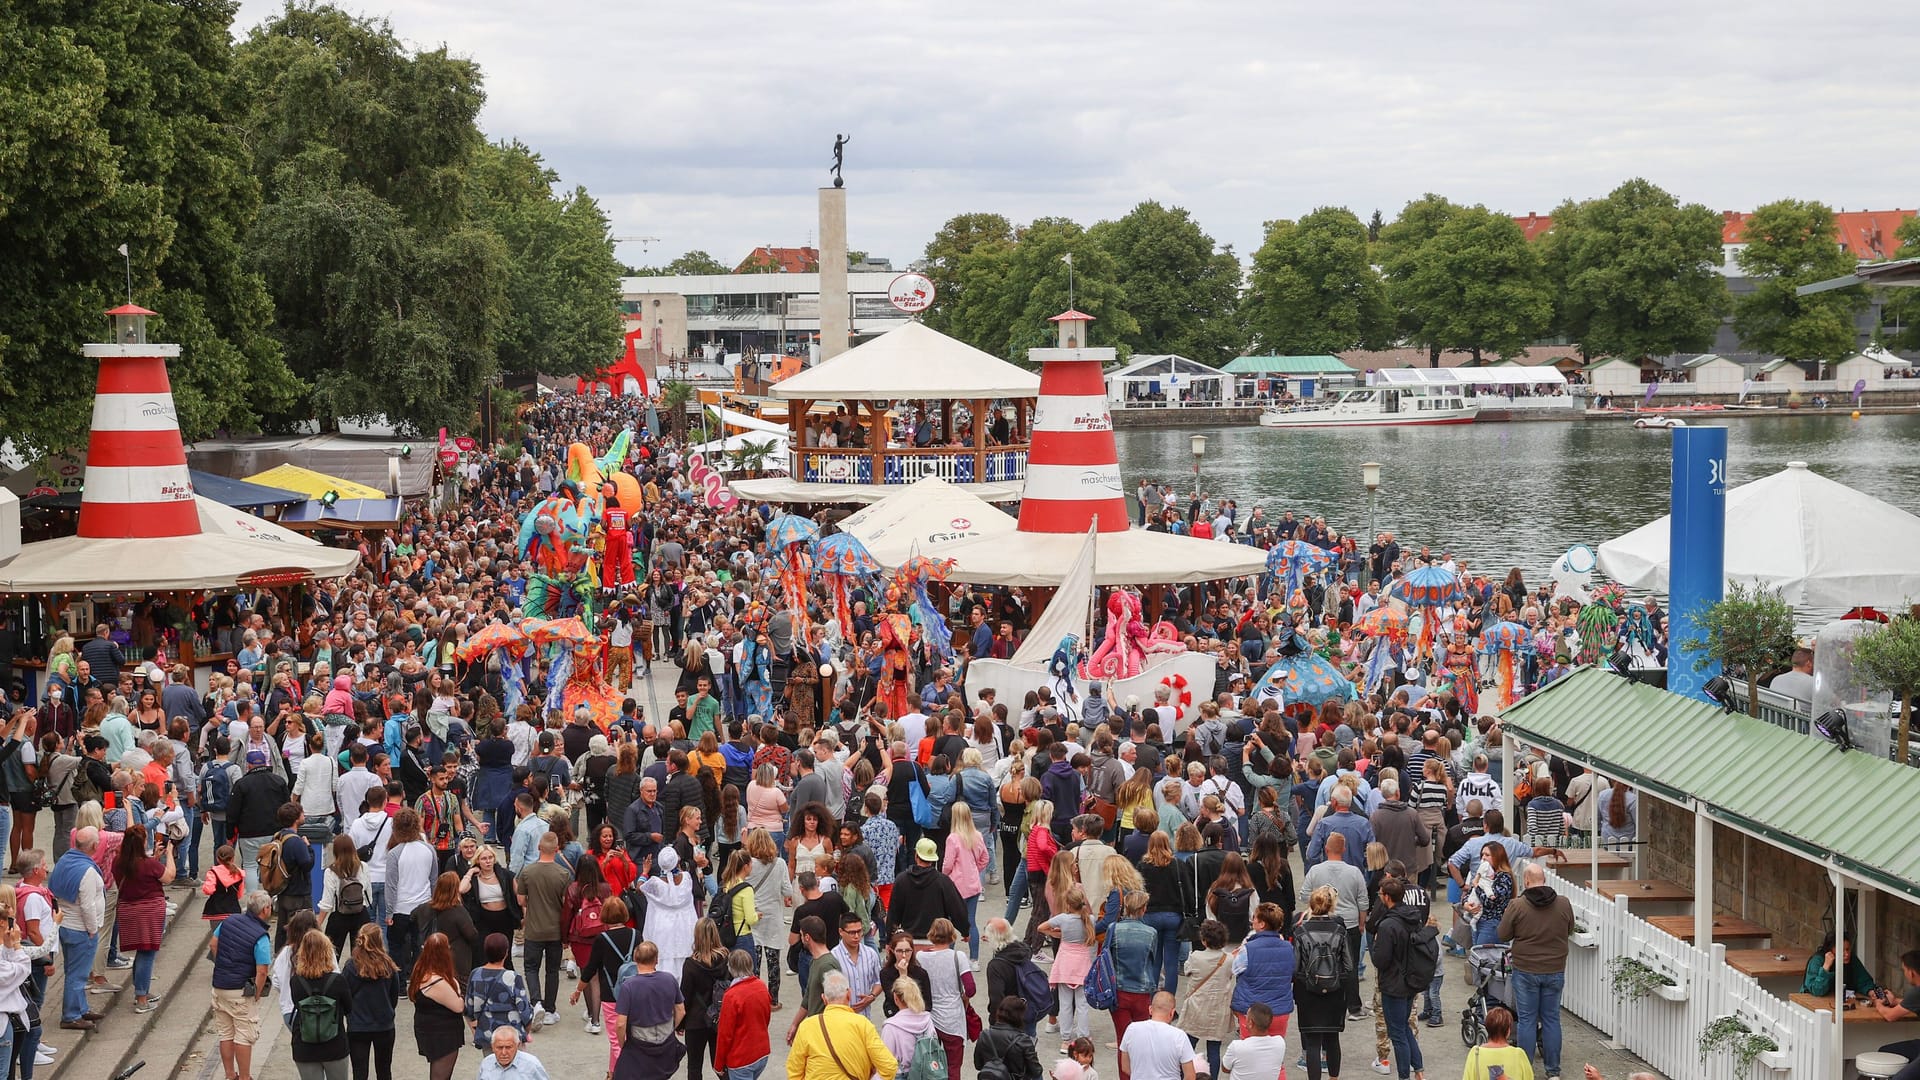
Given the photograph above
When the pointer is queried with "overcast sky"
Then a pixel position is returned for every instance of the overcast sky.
(710, 124)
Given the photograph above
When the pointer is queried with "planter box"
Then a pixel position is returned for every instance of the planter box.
(1671, 993)
(1587, 940)
(1777, 1060)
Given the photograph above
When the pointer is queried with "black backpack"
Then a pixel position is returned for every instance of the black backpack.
(1423, 956)
(720, 910)
(1322, 958)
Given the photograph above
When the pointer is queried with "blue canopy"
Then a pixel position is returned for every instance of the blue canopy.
(240, 494)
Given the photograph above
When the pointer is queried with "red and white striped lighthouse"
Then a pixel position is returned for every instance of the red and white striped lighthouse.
(1073, 468)
(137, 484)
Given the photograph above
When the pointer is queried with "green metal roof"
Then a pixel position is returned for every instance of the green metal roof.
(1795, 790)
(1288, 365)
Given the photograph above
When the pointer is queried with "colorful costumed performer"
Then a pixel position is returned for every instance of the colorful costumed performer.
(1289, 559)
(1428, 588)
(790, 539)
(893, 668)
(1502, 643)
(913, 579)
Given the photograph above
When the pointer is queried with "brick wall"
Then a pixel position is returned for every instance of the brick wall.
(1770, 886)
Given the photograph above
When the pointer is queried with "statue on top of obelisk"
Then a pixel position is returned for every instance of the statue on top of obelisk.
(839, 154)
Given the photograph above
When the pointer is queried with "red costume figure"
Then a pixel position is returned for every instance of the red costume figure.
(896, 665)
(616, 570)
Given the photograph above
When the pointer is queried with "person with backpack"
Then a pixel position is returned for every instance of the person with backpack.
(346, 894)
(1012, 972)
(580, 921)
(703, 982)
(252, 809)
(909, 1035)
(1406, 954)
(1005, 1048)
(742, 1046)
(609, 963)
(214, 787)
(1323, 970)
(734, 910)
(322, 1001)
(285, 864)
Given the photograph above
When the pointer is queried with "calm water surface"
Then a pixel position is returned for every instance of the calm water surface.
(1519, 494)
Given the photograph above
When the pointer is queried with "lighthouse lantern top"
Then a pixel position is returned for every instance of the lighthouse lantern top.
(1072, 328)
(129, 324)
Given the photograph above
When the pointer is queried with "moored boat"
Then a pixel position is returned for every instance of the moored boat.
(1378, 406)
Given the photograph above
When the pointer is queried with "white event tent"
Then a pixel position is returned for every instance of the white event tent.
(922, 518)
(232, 550)
(1820, 542)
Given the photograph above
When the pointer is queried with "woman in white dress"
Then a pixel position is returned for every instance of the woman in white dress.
(670, 912)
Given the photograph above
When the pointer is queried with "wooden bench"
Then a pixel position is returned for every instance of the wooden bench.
(1725, 927)
(1579, 861)
(1643, 889)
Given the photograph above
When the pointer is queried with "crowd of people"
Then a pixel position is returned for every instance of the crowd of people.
(366, 825)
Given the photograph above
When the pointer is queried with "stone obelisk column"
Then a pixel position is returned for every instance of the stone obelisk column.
(835, 310)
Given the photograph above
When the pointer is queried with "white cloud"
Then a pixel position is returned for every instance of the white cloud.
(710, 124)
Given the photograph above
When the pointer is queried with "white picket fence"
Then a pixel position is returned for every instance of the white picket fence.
(1664, 1027)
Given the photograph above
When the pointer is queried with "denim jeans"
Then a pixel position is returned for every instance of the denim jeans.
(1910, 1049)
(1168, 925)
(973, 926)
(748, 1072)
(6, 826)
(1432, 1011)
(1016, 889)
(143, 971)
(1486, 931)
(1406, 1045)
(377, 907)
(1536, 1001)
(76, 961)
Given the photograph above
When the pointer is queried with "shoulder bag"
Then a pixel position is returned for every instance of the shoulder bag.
(1186, 1008)
(973, 1018)
(828, 1039)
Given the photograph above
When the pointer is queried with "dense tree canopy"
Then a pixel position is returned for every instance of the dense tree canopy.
(117, 126)
(1471, 283)
(1636, 273)
(1791, 243)
(562, 283)
(1313, 290)
(1181, 291)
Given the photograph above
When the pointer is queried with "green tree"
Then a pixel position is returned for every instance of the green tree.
(1035, 289)
(119, 124)
(1749, 631)
(1636, 273)
(1313, 289)
(1791, 243)
(1890, 659)
(562, 288)
(389, 296)
(1475, 286)
(1399, 253)
(961, 236)
(1181, 291)
(693, 262)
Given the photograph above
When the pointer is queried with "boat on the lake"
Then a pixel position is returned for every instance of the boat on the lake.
(1377, 406)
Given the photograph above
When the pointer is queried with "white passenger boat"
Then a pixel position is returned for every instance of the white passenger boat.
(1378, 406)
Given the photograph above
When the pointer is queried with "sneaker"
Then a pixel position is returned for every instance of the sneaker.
(152, 1004)
(119, 963)
(42, 1060)
(1436, 1021)
(593, 1028)
(1360, 1014)
(1050, 1027)
(103, 988)
(49, 1048)
(570, 970)
(1383, 1066)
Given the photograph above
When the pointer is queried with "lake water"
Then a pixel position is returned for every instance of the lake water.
(1511, 494)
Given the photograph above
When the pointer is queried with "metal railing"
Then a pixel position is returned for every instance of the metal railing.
(1780, 710)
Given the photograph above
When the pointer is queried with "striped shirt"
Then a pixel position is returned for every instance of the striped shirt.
(861, 969)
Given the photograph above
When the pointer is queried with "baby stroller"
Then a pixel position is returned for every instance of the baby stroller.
(1489, 968)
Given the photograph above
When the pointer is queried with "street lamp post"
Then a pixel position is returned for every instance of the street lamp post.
(1199, 445)
(1370, 477)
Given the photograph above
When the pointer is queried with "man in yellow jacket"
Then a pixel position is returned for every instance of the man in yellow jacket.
(839, 1044)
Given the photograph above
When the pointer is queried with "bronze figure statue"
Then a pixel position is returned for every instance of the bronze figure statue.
(839, 153)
